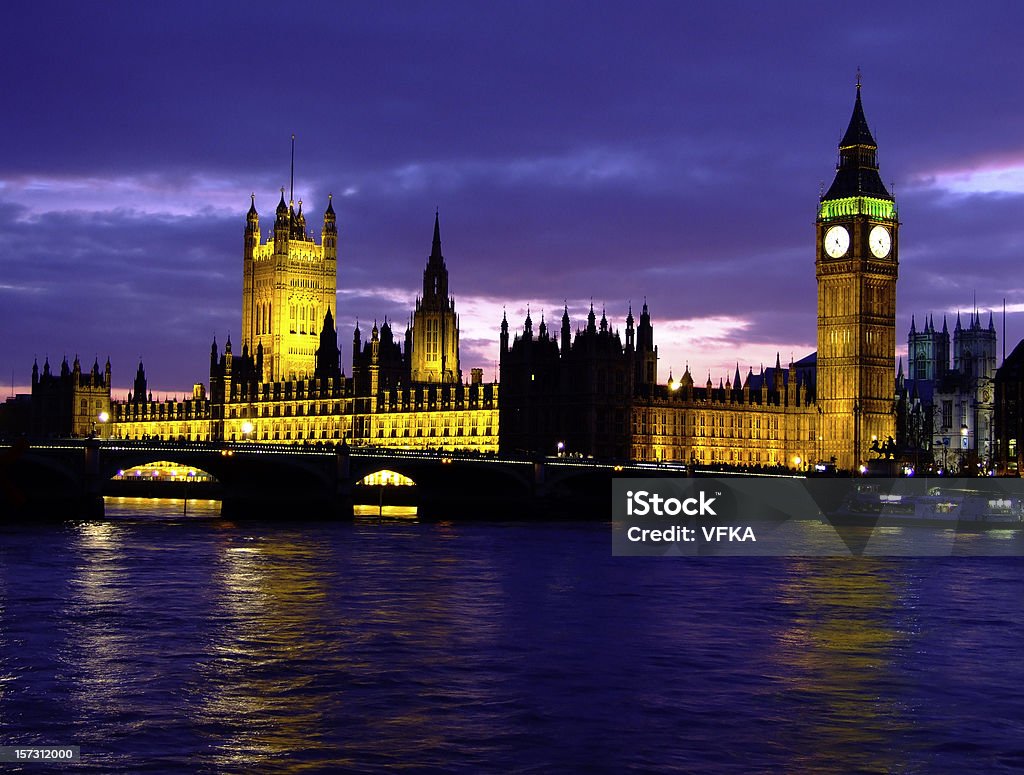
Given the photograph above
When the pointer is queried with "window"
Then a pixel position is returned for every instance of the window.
(433, 340)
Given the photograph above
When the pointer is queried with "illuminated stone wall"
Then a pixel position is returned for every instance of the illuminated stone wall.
(450, 417)
(722, 426)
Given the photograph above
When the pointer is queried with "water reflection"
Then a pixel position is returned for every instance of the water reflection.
(254, 695)
(7, 676)
(161, 508)
(836, 660)
(292, 646)
(364, 513)
(101, 641)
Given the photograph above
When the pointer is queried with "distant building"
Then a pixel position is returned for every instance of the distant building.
(1009, 413)
(947, 406)
(16, 416)
(71, 403)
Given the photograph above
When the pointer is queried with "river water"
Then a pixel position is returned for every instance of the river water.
(163, 643)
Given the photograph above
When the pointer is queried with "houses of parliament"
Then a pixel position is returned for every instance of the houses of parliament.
(582, 388)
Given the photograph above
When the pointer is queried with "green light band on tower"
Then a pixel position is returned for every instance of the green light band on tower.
(858, 205)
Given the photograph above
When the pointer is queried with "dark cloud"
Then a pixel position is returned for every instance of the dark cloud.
(669, 151)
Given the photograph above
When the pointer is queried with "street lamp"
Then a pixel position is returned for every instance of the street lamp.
(561, 448)
(102, 417)
(246, 430)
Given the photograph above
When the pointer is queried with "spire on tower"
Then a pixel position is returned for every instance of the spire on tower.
(435, 248)
(857, 171)
(291, 188)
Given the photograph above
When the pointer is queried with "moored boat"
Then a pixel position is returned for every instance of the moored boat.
(936, 508)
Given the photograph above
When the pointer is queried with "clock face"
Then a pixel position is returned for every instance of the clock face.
(880, 242)
(837, 241)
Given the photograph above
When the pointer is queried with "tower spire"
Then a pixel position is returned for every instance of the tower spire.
(857, 171)
(435, 248)
(291, 187)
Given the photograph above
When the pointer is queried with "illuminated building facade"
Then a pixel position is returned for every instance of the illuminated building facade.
(286, 385)
(289, 283)
(856, 265)
(434, 352)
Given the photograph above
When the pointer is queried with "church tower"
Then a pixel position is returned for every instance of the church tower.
(856, 266)
(289, 284)
(435, 329)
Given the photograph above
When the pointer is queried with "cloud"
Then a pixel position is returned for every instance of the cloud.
(1002, 176)
(147, 194)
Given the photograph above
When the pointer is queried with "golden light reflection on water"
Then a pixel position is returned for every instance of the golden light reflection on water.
(367, 512)
(836, 657)
(117, 506)
(98, 647)
(269, 602)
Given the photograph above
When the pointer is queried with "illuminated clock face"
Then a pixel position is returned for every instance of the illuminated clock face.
(837, 241)
(880, 242)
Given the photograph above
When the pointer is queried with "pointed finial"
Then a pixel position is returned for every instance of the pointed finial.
(435, 250)
(858, 78)
(291, 190)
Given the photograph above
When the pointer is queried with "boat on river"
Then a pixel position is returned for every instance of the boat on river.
(938, 507)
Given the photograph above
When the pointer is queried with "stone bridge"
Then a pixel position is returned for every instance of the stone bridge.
(69, 478)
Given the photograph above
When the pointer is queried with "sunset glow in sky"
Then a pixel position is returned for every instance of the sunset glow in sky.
(577, 153)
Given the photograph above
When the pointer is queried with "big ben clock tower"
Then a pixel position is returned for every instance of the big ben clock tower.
(856, 267)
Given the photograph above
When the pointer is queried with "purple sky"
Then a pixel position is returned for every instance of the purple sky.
(575, 150)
